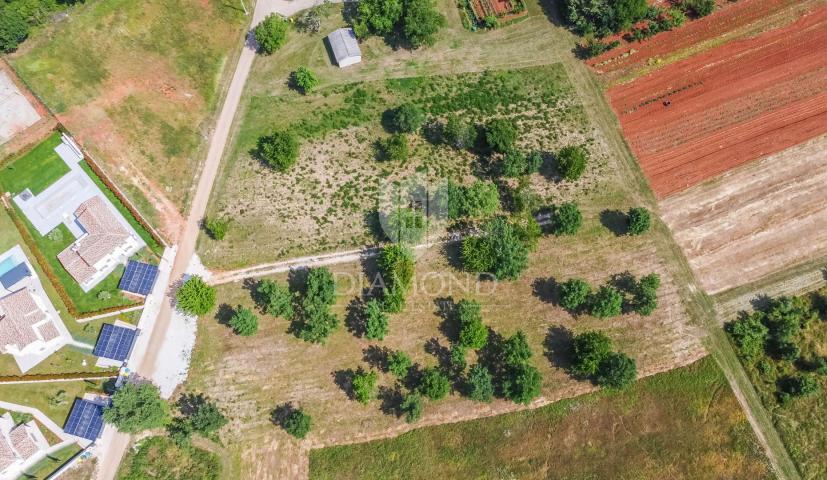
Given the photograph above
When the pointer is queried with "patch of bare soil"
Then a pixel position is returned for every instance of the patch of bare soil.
(755, 220)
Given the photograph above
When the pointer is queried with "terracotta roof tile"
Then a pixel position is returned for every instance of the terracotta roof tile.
(22, 442)
(18, 313)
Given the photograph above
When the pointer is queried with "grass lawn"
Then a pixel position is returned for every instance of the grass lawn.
(45, 467)
(35, 170)
(160, 454)
(681, 424)
(37, 395)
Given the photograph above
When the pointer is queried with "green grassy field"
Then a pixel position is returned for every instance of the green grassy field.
(160, 454)
(683, 424)
(35, 170)
(39, 395)
(45, 467)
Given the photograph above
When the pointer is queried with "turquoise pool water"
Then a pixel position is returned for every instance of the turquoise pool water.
(7, 265)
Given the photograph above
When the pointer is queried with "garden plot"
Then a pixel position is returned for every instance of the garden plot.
(327, 201)
(755, 220)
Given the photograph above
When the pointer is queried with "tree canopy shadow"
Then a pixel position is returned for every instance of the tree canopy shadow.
(446, 310)
(354, 317)
(376, 357)
(557, 347)
(761, 302)
(547, 290)
(280, 414)
(615, 221)
(344, 380)
(224, 314)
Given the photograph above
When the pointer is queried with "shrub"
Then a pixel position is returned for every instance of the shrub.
(480, 384)
(104, 295)
(203, 415)
(749, 334)
(421, 22)
(195, 297)
(376, 321)
(180, 431)
(698, 8)
(316, 322)
(396, 266)
(480, 199)
(364, 385)
(434, 384)
(522, 384)
(457, 358)
(567, 219)
(799, 385)
(279, 150)
(412, 407)
(217, 228)
(645, 299)
(607, 302)
(501, 135)
(593, 48)
(617, 371)
(310, 21)
(458, 133)
(571, 161)
(394, 148)
(13, 29)
(297, 423)
(516, 163)
(274, 299)
(271, 34)
(499, 250)
(244, 322)
(406, 118)
(472, 332)
(515, 349)
(137, 407)
(399, 364)
(589, 349)
(490, 22)
(574, 294)
(406, 225)
(627, 12)
(305, 80)
(639, 220)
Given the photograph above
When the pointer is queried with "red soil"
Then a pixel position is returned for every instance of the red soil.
(728, 105)
(729, 17)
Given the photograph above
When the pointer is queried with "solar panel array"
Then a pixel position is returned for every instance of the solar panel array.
(114, 342)
(85, 420)
(139, 278)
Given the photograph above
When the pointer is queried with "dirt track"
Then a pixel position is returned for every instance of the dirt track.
(730, 105)
(754, 220)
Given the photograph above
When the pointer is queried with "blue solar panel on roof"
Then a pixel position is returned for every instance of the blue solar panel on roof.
(114, 342)
(85, 420)
(139, 278)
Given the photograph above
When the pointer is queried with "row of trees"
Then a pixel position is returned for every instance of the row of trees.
(610, 300)
(594, 358)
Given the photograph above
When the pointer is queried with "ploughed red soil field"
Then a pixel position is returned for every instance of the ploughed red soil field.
(699, 117)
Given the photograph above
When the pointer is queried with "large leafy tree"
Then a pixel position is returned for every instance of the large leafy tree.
(574, 294)
(480, 384)
(137, 407)
(571, 161)
(364, 385)
(589, 349)
(500, 250)
(275, 299)
(567, 219)
(406, 118)
(396, 267)
(297, 423)
(315, 322)
(195, 297)
(749, 334)
(13, 29)
(522, 384)
(501, 135)
(607, 302)
(617, 370)
(378, 17)
(279, 150)
(271, 33)
(421, 22)
(480, 199)
(376, 320)
(434, 384)
(640, 220)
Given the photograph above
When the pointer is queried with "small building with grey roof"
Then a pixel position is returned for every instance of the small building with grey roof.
(345, 47)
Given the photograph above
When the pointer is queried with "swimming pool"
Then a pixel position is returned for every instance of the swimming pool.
(7, 265)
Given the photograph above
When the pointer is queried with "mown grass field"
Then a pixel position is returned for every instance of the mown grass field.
(160, 454)
(35, 170)
(682, 424)
(137, 83)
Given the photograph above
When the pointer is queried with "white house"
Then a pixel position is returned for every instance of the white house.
(345, 47)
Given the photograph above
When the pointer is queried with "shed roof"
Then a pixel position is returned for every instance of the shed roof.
(344, 44)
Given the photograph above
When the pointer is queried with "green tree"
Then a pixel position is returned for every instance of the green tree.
(13, 29)
(297, 423)
(137, 407)
(522, 384)
(571, 161)
(406, 118)
(394, 148)
(378, 17)
(201, 414)
(645, 299)
(607, 302)
(279, 150)
(304, 79)
(458, 133)
(364, 385)
(406, 225)
(434, 384)
(627, 12)
(501, 135)
(421, 22)
(516, 163)
(244, 322)
(217, 228)
(396, 267)
(567, 219)
(589, 349)
(480, 384)
(180, 431)
(639, 220)
(195, 297)
(271, 34)
(472, 332)
(399, 364)
(411, 407)
(499, 250)
(376, 320)
(796, 386)
(616, 370)
(515, 349)
(749, 334)
(480, 199)
(275, 299)
(316, 322)
(574, 294)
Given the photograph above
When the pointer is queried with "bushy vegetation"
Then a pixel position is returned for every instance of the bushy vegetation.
(198, 414)
(394, 148)
(195, 297)
(458, 133)
(480, 384)
(571, 161)
(137, 407)
(217, 227)
(274, 299)
(434, 384)
(500, 250)
(603, 17)
(271, 33)
(297, 423)
(623, 293)
(411, 407)
(314, 321)
(376, 320)
(244, 322)
(640, 220)
(516, 163)
(566, 219)
(396, 267)
(16, 17)
(472, 332)
(164, 458)
(501, 135)
(304, 79)
(606, 302)
(399, 364)
(364, 385)
(479, 199)
(416, 22)
(406, 225)
(616, 371)
(574, 294)
(698, 8)
(593, 357)
(280, 150)
(406, 118)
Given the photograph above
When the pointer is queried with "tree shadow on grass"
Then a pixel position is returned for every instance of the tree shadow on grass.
(446, 310)
(557, 347)
(376, 357)
(615, 221)
(280, 414)
(344, 380)
(224, 314)
(761, 302)
(440, 352)
(452, 252)
(547, 290)
(354, 317)
(390, 400)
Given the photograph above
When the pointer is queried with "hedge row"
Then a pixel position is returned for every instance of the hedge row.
(57, 376)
